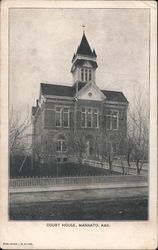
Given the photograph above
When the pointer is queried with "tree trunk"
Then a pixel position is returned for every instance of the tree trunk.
(128, 159)
(123, 167)
(110, 164)
(138, 168)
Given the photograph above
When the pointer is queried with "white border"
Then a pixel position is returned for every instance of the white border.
(120, 235)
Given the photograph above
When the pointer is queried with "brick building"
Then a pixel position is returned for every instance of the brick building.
(80, 119)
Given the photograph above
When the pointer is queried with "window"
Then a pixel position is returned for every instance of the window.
(61, 144)
(66, 117)
(58, 116)
(64, 146)
(115, 120)
(62, 117)
(83, 117)
(90, 75)
(112, 120)
(108, 122)
(89, 118)
(95, 118)
(86, 75)
(82, 74)
(58, 146)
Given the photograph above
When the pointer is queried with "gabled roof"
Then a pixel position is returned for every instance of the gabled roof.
(91, 87)
(84, 48)
(57, 90)
(114, 96)
(70, 91)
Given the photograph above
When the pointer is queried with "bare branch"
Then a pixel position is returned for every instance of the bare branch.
(17, 129)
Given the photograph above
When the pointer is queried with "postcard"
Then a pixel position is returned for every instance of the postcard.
(78, 125)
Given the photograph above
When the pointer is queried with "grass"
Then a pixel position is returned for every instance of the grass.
(60, 170)
(116, 209)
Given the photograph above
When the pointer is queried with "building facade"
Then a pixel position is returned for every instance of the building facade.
(79, 121)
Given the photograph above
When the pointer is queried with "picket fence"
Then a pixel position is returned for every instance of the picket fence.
(81, 180)
(105, 165)
(116, 167)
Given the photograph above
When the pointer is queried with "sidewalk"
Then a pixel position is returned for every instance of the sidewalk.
(78, 187)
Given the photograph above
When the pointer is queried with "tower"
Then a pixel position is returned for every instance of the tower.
(84, 64)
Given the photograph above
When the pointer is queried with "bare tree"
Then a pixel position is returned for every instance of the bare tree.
(138, 131)
(77, 145)
(121, 151)
(100, 146)
(18, 127)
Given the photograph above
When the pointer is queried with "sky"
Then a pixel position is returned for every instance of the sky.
(43, 41)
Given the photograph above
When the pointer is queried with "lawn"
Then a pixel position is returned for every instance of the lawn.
(59, 170)
(111, 209)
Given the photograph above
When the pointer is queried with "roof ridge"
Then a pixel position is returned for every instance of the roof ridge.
(52, 84)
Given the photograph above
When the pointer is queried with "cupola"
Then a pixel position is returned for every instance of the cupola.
(84, 63)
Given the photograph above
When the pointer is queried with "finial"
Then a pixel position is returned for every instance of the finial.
(83, 26)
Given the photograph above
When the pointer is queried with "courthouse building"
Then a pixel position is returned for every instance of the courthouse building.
(98, 116)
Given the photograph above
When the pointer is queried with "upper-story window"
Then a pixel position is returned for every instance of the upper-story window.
(58, 115)
(89, 118)
(82, 74)
(83, 117)
(62, 117)
(112, 120)
(86, 74)
(66, 117)
(90, 75)
(95, 118)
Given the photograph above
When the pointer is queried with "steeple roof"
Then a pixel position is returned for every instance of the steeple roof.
(84, 48)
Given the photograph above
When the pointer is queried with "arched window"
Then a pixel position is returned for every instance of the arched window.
(61, 144)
